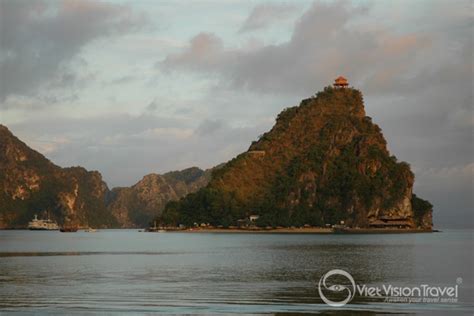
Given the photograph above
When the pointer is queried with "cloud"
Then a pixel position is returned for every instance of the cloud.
(453, 204)
(205, 52)
(328, 40)
(38, 39)
(209, 127)
(265, 14)
(321, 40)
(50, 146)
(152, 107)
(123, 80)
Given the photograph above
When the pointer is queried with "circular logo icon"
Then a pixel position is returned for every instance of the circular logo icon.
(349, 289)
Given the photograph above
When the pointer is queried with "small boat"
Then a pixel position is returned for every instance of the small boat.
(90, 230)
(42, 224)
(153, 229)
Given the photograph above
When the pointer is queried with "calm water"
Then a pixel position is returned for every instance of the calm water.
(129, 271)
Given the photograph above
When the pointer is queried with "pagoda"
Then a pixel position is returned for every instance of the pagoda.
(341, 82)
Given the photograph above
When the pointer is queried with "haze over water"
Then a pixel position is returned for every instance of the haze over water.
(128, 271)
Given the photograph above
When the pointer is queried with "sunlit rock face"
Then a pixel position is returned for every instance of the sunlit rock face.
(137, 205)
(31, 184)
(323, 162)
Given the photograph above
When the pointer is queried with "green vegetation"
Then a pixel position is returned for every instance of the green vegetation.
(187, 175)
(420, 207)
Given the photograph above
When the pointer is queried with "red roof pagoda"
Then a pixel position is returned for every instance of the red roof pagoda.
(341, 82)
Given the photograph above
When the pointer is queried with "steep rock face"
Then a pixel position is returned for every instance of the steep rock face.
(137, 205)
(30, 184)
(323, 162)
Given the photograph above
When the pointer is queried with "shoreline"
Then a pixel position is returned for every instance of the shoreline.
(258, 231)
(283, 230)
(316, 231)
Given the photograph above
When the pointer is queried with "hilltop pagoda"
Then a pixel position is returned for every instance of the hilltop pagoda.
(341, 82)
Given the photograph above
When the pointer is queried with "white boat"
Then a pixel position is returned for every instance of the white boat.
(42, 224)
(90, 230)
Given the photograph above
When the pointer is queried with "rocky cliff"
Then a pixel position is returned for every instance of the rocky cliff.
(31, 184)
(139, 204)
(323, 162)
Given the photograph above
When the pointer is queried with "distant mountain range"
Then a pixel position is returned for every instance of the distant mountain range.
(324, 162)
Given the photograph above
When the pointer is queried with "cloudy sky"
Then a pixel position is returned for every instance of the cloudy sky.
(134, 87)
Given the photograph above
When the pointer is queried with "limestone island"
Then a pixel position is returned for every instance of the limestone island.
(324, 167)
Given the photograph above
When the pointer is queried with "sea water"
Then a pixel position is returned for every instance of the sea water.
(114, 271)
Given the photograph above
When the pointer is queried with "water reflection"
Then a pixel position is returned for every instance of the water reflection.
(114, 271)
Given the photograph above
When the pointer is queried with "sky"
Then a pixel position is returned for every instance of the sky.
(134, 87)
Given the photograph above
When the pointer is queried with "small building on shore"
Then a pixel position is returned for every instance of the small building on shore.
(391, 222)
(253, 218)
(248, 222)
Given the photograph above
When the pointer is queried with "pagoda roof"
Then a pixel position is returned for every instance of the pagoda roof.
(341, 79)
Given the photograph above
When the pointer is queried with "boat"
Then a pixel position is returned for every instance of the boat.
(90, 230)
(153, 229)
(42, 224)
